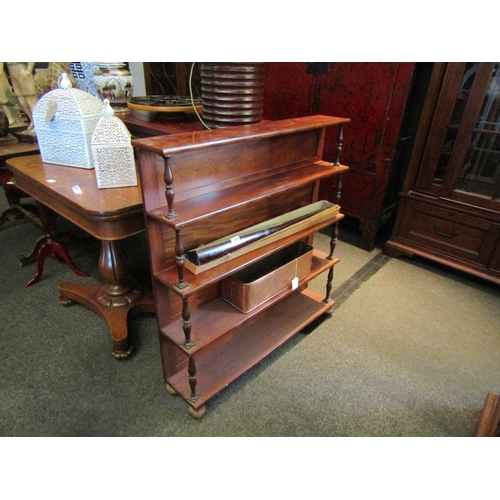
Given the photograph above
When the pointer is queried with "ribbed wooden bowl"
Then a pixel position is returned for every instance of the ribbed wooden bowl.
(232, 93)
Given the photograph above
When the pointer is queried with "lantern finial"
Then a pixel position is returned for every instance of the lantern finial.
(107, 110)
(64, 82)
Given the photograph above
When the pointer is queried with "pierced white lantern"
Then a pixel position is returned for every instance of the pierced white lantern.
(112, 151)
(64, 120)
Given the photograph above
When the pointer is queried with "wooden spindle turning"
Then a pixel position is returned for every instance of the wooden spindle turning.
(340, 139)
(193, 397)
(169, 189)
(186, 325)
(179, 259)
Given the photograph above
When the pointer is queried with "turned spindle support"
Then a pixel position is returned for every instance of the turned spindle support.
(329, 285)
(340, 139)
(193, 397)
(186, 325)
(333, 242)
(335, 228)
(179, 259)
(169, 189)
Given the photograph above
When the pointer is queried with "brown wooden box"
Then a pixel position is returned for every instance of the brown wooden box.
(261, 281)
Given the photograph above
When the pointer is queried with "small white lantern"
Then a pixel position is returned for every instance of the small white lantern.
(112, 152)
(64, 120)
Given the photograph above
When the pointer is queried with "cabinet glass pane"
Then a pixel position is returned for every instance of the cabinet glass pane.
(481, 169)
(454, 121)
(444, 157)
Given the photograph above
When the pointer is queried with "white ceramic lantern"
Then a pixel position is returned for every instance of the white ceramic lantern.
(65, 119)
(112, 151)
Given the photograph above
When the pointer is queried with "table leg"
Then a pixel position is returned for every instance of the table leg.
(13, 196)
(56, 250)
(9, 212)
(114, 300)
(47, 245)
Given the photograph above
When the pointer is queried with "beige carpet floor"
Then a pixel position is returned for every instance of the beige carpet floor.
(411, 349)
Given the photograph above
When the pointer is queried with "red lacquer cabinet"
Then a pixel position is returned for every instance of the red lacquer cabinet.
(374, 96)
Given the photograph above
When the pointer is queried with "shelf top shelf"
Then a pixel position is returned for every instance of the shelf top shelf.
(193, 210)
(171, 144)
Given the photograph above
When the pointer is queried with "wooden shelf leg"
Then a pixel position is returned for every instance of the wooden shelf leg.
(170, 389)
(331, 256)
(335, 233)
(340, 140)
(186, 325)
(329, 286)
(179, 259)
(198, 412)
(193, 397)
(169, 189)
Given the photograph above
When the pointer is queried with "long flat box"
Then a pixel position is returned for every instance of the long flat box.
(254, 285)
(308, 216)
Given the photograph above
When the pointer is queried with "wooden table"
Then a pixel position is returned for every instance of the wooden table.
(107, 214)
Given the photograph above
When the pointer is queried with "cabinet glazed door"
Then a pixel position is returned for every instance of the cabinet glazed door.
(462, 158)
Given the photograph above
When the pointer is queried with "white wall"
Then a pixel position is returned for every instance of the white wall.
(137, 70)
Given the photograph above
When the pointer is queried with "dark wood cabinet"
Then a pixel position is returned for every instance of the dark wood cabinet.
(375, 96)
(171, 78)
(199, 187)
(450, 204)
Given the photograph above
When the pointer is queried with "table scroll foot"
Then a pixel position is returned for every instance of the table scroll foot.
(124, 352)
(10, 212)
(113, 310)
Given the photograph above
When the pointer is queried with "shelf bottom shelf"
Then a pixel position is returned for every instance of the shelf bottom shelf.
(223, 365)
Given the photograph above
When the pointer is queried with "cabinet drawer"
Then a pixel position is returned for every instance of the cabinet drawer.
(450, 233)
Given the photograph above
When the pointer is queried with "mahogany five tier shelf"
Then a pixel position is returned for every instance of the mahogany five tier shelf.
(203, 186)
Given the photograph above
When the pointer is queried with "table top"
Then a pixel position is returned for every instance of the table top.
(107, 214)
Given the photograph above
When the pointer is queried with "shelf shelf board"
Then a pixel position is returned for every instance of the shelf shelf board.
(248, 346)
(201, 207)
(213, 321)
(181, 143)
(169, 276)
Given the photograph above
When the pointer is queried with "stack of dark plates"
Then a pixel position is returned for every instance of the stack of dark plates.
(232, 93)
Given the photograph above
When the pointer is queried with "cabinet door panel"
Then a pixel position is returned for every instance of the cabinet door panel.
(462, 155)
(443, 130)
